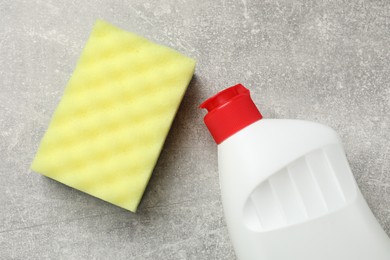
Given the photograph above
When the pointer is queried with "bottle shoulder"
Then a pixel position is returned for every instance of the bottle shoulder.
(282, 133)
(268, 145)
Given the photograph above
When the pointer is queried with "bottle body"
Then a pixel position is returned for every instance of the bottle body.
(288, 193)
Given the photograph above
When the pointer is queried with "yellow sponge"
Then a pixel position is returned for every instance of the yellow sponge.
(109, 128)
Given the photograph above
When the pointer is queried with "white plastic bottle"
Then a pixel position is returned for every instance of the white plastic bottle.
(287, 189)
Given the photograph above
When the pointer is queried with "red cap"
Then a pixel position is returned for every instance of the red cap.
(229, 111)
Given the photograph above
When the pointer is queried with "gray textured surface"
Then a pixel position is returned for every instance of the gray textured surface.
(314, 60)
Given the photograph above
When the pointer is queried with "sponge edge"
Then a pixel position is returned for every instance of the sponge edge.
(110, 126)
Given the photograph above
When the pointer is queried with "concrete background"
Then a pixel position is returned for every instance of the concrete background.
(325, 61)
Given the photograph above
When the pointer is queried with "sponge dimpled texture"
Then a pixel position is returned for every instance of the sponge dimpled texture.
(110, 126)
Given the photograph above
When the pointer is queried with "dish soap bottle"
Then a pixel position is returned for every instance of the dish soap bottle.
(287, 189)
